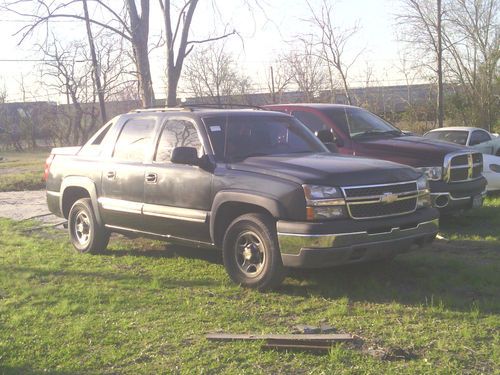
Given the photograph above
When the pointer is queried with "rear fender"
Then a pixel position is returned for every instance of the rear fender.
(84, 183)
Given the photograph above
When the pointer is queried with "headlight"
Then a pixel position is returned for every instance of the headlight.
(324, 202)
(423, 183)
(314, 192)
(424, 196)
(432, 173)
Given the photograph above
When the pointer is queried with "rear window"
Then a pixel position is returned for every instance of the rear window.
(238, 137)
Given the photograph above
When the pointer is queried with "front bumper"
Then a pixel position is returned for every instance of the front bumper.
(316, 245)
(456, 195)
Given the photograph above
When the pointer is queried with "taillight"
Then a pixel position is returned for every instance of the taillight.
(48, 162)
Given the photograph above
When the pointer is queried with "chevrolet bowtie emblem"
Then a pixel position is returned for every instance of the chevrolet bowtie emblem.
(388, 198)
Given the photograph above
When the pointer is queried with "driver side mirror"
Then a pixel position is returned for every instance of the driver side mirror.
(185, 155)
(326, 136)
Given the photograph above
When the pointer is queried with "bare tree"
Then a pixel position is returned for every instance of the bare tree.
(178, 46)
(422, 25)
(68, 70)
(125, 21)
(333, 44)
(470, 50)
(212, 72)
(472, 41)
(307, 69)
(279, 78)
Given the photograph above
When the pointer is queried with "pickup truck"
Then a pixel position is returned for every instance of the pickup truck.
(454, 172)
(256, 184)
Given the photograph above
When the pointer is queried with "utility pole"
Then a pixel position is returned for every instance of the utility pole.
(95, 66)
(440, 101)
(272, 85)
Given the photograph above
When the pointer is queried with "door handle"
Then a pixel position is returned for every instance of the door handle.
(111, 175)
(151, 178)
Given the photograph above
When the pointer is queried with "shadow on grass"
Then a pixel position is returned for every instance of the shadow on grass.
(483, 222)
(213, 256)
(410, 280)
(26, 370)
(435, 278)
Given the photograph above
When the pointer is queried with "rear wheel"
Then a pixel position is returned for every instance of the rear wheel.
(251, 252)
(86, 235)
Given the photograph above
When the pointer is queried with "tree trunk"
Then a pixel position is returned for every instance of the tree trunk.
(173, 79)
(146, 92)
(95, 65)
(440, 103)
(140, 36)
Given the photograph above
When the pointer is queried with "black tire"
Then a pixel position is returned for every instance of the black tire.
(251, 253)
(86, 235)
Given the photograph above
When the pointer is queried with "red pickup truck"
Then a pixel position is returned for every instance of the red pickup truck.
(454, 172)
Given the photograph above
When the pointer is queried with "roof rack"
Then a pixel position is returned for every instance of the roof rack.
(161, 109)
(222, 106)
(193, 107)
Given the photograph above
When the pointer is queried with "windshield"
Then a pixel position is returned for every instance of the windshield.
(235, 138)
(455, 136)
(360, 123)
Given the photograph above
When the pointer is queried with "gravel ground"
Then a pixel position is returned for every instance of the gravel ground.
(23, 205)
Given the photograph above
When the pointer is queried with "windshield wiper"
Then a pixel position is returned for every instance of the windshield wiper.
(393, 132)
(377, 133)
(368, 132)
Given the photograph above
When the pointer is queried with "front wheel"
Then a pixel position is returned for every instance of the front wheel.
(251, 252)
(85, 233)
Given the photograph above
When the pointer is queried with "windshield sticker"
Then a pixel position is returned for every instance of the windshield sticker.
(215, 128)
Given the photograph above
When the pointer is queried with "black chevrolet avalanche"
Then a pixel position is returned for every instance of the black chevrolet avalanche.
(256, 184)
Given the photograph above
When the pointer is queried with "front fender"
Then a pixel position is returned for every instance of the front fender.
(266, 202)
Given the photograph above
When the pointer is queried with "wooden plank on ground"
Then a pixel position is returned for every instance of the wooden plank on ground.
(285, 338)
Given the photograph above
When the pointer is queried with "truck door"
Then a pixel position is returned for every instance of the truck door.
(123, 174)
(177, 198)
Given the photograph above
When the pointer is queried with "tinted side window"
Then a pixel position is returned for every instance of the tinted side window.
(134, 139)
(313, 122)
(177, 133)
(478, 136)
(102, 134)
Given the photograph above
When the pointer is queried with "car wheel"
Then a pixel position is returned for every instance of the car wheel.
(86, 235)
(251, 252)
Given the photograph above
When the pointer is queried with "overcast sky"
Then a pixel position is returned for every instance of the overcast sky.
(264, 35)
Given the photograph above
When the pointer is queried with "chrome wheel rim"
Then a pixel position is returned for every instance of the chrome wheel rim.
(250, 254)
(82, 228)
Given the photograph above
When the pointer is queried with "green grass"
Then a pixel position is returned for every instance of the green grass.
(22, 171)
(144, 308)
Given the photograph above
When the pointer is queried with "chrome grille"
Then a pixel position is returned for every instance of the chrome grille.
(463, 166)
(374, 201)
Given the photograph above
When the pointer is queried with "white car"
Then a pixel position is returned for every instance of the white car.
(480, 140)
(477, 138)
(491, 171)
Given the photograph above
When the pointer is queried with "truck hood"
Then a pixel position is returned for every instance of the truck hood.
(327, 169)
(411, 150)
